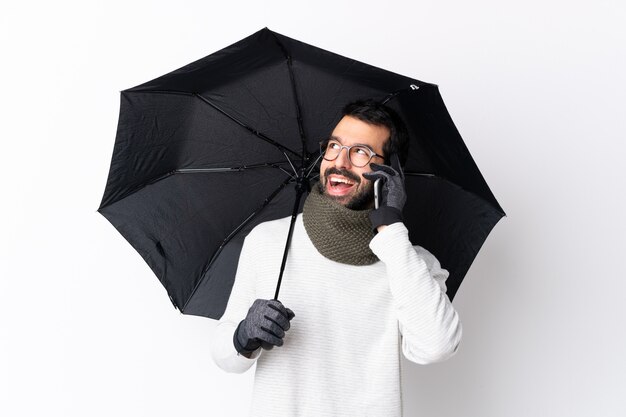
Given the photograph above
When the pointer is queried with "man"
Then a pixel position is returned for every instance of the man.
(360, 291)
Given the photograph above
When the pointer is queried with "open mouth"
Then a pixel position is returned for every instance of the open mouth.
(339, 185)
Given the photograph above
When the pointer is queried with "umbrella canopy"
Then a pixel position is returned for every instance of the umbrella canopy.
(205, 153)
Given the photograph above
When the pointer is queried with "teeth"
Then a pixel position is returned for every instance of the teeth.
(345, 181)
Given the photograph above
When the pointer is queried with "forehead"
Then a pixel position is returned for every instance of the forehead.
(352, 131)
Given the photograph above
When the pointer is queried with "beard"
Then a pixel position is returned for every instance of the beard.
(362, 200)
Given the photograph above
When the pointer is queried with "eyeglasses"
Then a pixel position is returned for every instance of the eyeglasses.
(359, 155)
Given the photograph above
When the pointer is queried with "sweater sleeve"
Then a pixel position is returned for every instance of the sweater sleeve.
(241, 298)
(429, 324)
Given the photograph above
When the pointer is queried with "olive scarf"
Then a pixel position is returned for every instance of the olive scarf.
(339, 233)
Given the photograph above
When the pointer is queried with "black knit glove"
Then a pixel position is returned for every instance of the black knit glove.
(264, 326)
(393, 195)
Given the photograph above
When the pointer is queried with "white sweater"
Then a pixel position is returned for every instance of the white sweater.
(341, 356)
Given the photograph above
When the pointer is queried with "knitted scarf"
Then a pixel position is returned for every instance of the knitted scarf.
(340, 234)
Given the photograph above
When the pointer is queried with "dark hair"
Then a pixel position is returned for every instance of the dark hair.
(375, 113)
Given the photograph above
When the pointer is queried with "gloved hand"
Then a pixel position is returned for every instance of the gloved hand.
(264, 326)
(393, 195)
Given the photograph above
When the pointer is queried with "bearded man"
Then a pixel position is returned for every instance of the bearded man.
(361, 292)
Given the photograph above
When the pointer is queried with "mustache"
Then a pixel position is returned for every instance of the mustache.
(343, 172)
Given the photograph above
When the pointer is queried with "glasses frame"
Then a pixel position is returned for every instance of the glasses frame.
(324, 146)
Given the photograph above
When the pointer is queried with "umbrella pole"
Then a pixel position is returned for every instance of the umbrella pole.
(302, 184)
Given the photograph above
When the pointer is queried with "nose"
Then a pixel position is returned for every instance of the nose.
(343, 159)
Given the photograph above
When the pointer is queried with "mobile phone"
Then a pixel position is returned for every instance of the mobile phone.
(395, 164)
(377, 193)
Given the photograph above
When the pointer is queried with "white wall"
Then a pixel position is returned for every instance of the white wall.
(536, 89)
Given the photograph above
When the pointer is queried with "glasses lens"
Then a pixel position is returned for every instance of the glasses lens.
(359, 156)
(331, 150)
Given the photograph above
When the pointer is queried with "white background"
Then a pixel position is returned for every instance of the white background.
(537, 91)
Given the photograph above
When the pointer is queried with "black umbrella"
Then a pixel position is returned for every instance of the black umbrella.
(205, 153)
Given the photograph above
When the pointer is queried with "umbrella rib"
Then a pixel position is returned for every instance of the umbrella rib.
(393, 94)
(233, 169)
(295, 95)
(313, 165)
(255, 132)
(260, 135)
(225, 113)
(425, 174)
(199, 170)
(233, 233)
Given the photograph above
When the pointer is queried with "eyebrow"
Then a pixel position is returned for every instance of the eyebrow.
(338, 139)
